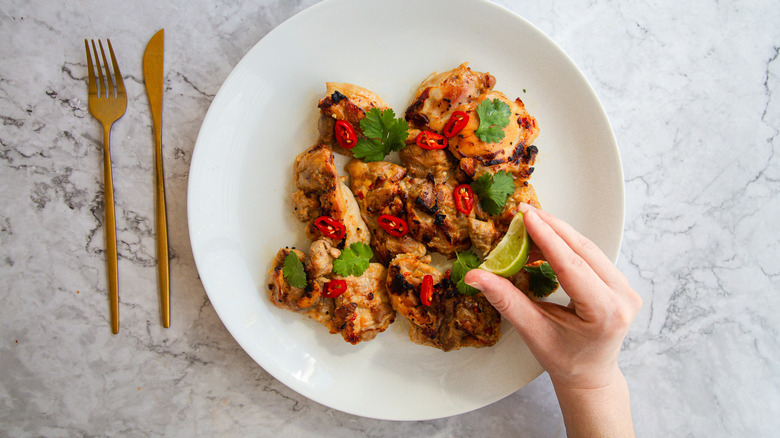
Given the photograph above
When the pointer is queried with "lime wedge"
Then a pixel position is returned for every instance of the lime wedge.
(511, 253)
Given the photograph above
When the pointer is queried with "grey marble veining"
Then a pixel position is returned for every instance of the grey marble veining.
(692, 90)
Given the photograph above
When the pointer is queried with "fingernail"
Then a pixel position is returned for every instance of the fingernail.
(530, 214)
(476, 286)
(524, 207)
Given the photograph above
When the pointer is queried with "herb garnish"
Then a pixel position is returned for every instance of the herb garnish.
(543, 279)
(293, 271)
(493, 190)
(353, 260)
(464, 262)
(383, 134)
(493, 118)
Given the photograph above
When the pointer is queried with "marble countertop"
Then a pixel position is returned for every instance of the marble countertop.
(692, 91)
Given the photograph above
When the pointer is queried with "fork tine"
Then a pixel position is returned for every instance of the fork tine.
(91, 81)
(102, 87)
(120, 83)
(108, 70)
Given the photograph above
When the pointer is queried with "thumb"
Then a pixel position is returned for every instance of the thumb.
(512, 303)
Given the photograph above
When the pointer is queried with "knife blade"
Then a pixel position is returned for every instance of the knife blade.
(153, 78)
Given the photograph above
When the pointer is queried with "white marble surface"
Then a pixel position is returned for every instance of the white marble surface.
(693, 93)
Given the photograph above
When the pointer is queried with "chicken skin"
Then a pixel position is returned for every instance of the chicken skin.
(462, 89)
(346, 102)
(514, 153)
(452, 320)
(441, 94)
(320, 192)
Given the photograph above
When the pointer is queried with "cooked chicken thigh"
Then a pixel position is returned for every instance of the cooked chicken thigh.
(364, 309)
(379, 190)
(286, 296)
(441, 94)
(320, 192)
(421, 162)
(358, 314)
(513, 154)
(433, 218)
(453, 320)
(346, 102)
(461, 89)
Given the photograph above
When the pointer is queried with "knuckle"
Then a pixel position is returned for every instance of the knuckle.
(501, 302)
(587, 244)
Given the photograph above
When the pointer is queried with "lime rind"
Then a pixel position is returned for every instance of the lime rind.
(511, 253)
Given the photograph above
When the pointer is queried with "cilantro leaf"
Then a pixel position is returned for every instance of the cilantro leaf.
(353, 260)
(493, 190)
(383, 134)
(293, 271)
(493, 118)
(464, 262)
(543, 279)
(369, 150)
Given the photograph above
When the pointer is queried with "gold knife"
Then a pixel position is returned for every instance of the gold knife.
(153, 78)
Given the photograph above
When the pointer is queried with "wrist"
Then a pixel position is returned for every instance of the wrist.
(603, 378)
(602, 409)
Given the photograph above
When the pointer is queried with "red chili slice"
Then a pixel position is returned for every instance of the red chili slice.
(330, 227)
(464, 198)
(395, 226)
(334, 288)
(426, 290)
(455, 124)
(345, 134)
(431, 140)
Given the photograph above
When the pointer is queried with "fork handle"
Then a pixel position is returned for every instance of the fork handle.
(111, 252)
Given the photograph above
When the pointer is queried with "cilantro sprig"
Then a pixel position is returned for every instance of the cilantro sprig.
(353, 260)
(493, 118)
(543, 279)
(383, 134)
(293, 271)
(464, 262)
(493, 190)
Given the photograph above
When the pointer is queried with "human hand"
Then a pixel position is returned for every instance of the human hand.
(577, 345)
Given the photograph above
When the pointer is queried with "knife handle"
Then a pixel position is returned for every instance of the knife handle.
(162, 237)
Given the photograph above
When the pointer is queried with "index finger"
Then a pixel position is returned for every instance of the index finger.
(582, 246)
(580, 281)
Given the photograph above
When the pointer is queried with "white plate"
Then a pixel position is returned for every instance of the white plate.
(265, 114)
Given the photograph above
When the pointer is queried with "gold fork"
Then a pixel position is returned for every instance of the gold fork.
(107, 107)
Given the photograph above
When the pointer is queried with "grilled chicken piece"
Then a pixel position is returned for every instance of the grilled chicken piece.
(320, 192)
(462, 89)
(359, 314)
(379, 190)
(432, 216)
(363, 310)
(420, 162)
(514, 153)
(441, 94)
(453, 320)
(345, 102)
(286, 296)
(486, 231)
